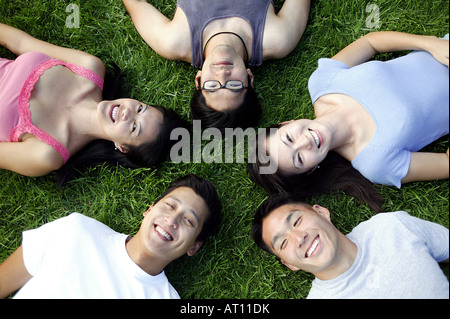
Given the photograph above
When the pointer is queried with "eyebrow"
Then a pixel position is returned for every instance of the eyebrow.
(191, 210)
(287, 221)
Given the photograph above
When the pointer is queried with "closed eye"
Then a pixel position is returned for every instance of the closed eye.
(188, 221)
(299, 159)
(283, 244)
(170, 205)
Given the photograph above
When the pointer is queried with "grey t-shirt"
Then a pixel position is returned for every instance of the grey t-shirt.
(398, 257)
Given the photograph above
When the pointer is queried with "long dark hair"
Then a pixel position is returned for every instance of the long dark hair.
(245, 115)
(104, 152)
(335, 174)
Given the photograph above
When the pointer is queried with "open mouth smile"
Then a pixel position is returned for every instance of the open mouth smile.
(313, 247)
(163, 234)
(317, 138)
(114, 111)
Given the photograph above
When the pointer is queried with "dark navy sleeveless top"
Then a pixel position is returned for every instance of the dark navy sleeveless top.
(201, 12)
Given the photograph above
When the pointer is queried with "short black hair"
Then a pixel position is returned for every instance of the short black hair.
(206, 190)
(265, 209)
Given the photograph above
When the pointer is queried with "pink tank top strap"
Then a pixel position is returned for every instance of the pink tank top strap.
(88, 74)
(25, 124)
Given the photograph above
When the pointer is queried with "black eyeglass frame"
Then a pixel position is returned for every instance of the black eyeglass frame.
(223, 86)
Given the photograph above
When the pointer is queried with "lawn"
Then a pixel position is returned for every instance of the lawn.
(229, 265)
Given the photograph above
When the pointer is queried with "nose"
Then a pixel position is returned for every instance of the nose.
(126, 112)
(222, 72)
(172, 220)
(303, 142)
(299, 237)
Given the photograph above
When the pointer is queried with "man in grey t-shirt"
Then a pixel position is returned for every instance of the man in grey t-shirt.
(392, 255)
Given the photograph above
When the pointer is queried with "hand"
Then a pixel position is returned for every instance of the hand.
(439, 48)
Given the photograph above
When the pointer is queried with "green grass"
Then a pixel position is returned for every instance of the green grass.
(229, 265)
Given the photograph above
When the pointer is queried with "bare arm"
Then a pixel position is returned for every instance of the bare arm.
(284, 30)
(20, 42)
(367, 46)
(166, 37)
(427, 166)
(13, 274)
(31, 157)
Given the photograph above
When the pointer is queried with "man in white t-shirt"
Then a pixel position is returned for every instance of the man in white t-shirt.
(392, 255)
(79, 257)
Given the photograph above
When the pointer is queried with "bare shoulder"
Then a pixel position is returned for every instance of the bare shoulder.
(170, 38)
(96, 65)
(178, 40)
(283, 29)
(38, 158)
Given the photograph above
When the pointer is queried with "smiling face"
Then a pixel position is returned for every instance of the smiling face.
(171, 226)
(299, 146)
(128, 122)
(303, 237)
(223, 64)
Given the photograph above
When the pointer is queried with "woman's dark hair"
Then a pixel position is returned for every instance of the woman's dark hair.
(245, 115)
(206, 190)
(104, 152)
(335, 174)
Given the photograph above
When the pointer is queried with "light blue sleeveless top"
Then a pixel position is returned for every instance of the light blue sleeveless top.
(408, 100)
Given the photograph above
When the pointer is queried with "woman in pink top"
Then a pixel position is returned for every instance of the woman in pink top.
(52, 108)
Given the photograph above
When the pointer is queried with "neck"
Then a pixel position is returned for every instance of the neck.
(227, 38)
(150, 263)
(83, 123)
(352, 125)
(341, 131)
(341, 125)
(344, 259)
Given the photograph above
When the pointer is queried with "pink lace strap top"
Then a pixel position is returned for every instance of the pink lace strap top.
(36, 62)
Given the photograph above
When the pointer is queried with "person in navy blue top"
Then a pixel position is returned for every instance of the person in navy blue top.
(222, 38)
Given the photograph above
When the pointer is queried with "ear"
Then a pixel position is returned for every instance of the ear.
(197, 79)
(250, 74)
(194, 248)
(322, 211)
(148, 210)
(121, 148)
(291, 267)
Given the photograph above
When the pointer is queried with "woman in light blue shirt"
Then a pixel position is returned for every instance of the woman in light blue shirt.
(376, 115)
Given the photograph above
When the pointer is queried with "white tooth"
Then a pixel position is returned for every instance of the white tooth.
(114, 112)
(313, 247)
(163, 233)
(316, 137)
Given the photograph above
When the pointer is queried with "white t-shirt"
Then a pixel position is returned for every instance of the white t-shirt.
(79, 257)
(398, 257)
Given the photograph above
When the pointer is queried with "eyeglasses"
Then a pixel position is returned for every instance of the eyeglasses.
(213, 85)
